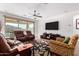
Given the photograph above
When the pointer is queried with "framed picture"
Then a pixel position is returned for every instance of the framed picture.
(77, 23)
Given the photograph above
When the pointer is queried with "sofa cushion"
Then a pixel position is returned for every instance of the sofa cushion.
(59, 39)
(66, 40)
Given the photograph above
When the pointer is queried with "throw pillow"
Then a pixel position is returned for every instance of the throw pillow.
(67, 40)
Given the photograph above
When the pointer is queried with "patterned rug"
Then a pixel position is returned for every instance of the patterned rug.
(41, 48)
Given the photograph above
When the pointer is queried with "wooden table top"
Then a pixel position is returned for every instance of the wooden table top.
(24, 46)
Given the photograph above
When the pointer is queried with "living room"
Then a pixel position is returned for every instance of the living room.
(33, 18)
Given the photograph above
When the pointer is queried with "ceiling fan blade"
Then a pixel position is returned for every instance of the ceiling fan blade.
(35, 11)
(38, 16)
(34, 14)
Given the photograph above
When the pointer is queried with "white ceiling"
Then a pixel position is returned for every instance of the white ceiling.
(45, 9)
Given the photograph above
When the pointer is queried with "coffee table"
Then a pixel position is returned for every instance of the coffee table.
(41, 48)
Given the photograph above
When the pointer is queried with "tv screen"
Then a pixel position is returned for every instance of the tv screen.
(52, 25)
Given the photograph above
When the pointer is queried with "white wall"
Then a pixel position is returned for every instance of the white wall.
(76, 31)
(66, 24)
(40, 27)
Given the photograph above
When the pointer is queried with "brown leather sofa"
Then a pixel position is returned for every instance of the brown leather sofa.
(60, 48)
(21, 37)
(50, 36)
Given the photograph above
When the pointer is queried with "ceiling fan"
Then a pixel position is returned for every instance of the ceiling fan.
(37, 14)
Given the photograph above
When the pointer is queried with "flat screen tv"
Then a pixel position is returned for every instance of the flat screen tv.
(52, 25)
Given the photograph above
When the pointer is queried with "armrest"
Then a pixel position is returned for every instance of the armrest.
(62, 44)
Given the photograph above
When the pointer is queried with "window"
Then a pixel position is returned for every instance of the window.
(12, 24)
(22, 25)
(31, 26)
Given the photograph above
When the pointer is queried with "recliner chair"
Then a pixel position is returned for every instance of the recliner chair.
(20, 35)
(6, 50)
(30, 35)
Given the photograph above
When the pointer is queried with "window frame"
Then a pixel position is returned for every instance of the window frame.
(18, 20)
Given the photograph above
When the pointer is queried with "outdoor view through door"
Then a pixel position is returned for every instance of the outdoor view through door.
(12, 24)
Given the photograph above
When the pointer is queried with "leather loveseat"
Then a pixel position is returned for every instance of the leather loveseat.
(22, 37)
